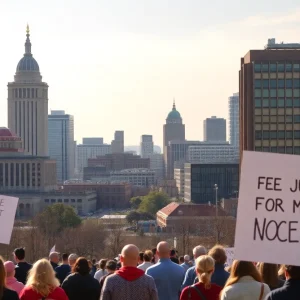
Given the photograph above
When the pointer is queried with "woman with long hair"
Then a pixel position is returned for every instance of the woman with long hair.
(5, 293)
(244, 282)
(42, 283)
(269, 274)
(80, 284)
(204, 289)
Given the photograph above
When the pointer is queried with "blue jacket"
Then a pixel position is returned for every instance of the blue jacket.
(168, 277)
(219, 276)
(189, 278)
(289, 291)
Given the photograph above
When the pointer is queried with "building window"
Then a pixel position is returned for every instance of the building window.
(53, 200)
(281, 102)
(258, 102)
(274, 149)
(289, 103)
(266, 135)
(288, 68)
(281, 134)
(257, 68)
(265, 68)
(289, 83)
(266, 83)
(66, 200)
(273, 135)
(297, 119)
(296, 83)
(265, 102)
(273, 103)
(296, 102)
(273, 68)
(266, 149)
(72, 200)
(289, 93)
(280, 68)
(289, 134)
(257, 83)
(296, 92)
(297, 134)
(79, 200)
(281, 83)
(257, 93)
(258, 135)
(289, 119)
(296, 150)
(265, 93)
(296, 67)
(46, 200)
(59, 200)
(281, 150)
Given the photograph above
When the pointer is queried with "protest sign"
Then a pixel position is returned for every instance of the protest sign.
(230, 256)
(8, 207)
(268, 219)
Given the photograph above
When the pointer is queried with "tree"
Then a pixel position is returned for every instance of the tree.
(135, 202)
(153, 202)
(134, 217)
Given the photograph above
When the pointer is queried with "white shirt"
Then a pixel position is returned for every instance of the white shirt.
(245, 289)
(99, 274)
(145, 265)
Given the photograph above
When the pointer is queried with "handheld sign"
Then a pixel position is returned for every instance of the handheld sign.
(230, 256)
(8, 207)
(268, 219)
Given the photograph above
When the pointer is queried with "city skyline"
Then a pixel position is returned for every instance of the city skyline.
(133, 64)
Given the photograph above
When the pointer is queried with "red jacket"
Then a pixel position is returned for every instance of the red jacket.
(211, 294)
(29, 294)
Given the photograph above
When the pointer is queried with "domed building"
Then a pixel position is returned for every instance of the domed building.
(28, 104)
(174, 130)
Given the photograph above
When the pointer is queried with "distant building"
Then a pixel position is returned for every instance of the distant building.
(95, 173)
(214, 129)
(200, 180)
(157, 165)
(179, 178)
(117, 145)
(234, 119)
(119, 161)
(146, 146)
(92, 141)
(61, 143)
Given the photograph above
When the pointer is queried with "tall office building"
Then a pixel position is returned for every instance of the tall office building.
(28, 104)
(61, 143)
(146, 146)
(214, 129)
(270, 99)
(233, 111)
(117, 145)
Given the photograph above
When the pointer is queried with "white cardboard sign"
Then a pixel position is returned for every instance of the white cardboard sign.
(268, 218)
(230, 256)
(8, 207)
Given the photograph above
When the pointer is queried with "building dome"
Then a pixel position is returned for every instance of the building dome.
(174, 114)
(5, 132)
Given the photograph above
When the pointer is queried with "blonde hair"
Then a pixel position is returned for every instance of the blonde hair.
(42, 278)
(205, 268)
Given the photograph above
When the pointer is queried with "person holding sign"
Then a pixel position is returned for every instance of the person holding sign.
(244, 283)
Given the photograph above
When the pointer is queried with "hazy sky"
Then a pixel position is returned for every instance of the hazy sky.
(117, 64)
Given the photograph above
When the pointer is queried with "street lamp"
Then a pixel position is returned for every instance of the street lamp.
(216, 189)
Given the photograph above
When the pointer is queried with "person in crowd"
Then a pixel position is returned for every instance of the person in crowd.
(269, 274)
(129, 282)
(147, 258)
(102, 270)
(291, 288)
(219, 276)
(54, 259)
(141, 258)
(5, 293)
(155, 258)
(42, 283)
(186, 262)
(167, 275)
(80, 284)
(181, 260)
(281, 272)
(173, 257)
(244, 283)
(22, 267)
(64, 269)
(72, 259)
(190, 274)
(205, 265)
(94, 267)
(111, 267)
(11, 282)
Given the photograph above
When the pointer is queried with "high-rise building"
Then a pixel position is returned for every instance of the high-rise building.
(28, 104)
(214, 129)
(146, 146)
(117, 145)
(157, 165)
(61, 143)
(270, 99)
(234, 117)
(92, 141)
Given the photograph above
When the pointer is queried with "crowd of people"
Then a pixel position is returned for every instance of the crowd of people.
(157, 274)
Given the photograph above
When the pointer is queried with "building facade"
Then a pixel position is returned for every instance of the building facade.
(146, 146)
(61, 143)
(270, 99)
(179, 178)
(234, 118)
(92, 141)
(214, 129)
(200, 181)
(28, 104)
(157, 165)
(117, 145)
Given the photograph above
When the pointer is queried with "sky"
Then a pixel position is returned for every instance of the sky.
(118, 64)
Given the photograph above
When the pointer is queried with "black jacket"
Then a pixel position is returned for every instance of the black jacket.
(62, 272)
(22, 269)
(289, 291)
(9, 295)
(78, 287)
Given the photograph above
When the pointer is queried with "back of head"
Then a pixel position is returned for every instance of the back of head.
(199, 250)
(173, 252)
(218, 254)
(65, 257)
(186, 258)
(130, 256)
(141, 256)
(9, 269)
(205, 267)
(2, 277)
(181, 259)
(42, 278)
(269, 274)
(81, 266)
(148, 255)
(72, 259)
(19, 253)
(102, 263)
(163, 250)
(241, 268)
(293, 271)
(111, 265)
(54, 257)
